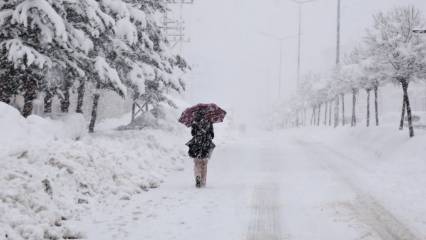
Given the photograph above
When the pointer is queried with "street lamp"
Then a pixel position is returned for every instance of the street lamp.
(280, 41)
(299, 45)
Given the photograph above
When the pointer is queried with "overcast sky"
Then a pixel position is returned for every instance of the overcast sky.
(237, 65)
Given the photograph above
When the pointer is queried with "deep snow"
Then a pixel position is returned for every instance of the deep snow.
(294, 184)
(299, 184)
(54, 174)
(312, 183)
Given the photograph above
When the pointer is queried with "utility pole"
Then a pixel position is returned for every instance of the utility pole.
(299, 45)
(338, 32)
(175, 29)
(336, 118)
(280, 69)
(280, 40)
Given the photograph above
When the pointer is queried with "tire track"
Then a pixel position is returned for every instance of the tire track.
(367, 209)
(266, 221)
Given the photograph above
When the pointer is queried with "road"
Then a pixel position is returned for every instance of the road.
(260, 188)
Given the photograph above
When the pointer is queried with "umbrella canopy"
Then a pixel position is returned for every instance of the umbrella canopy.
(211, 112)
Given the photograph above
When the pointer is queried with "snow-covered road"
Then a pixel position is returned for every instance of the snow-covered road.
(263, 188)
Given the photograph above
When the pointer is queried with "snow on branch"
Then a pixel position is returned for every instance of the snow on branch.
(116, 7)
(138, 16)
(98, 19)
(35, 13)
(126, 30)
(137, 78)
(79, 39)
(5, 16)
(109, 76)
(24, 56)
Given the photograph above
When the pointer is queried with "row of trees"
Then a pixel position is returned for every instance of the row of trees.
(391, 52)
(49, 47)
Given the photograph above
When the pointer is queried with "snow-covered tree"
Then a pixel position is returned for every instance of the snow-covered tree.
(394, 44)
(337, 91)
(351, 73)
(142, 57)
(372, 75)
(30, 30)
(161, 68)
(36, 38)
(321, 97)
(341, 86)
(304, 92)
(51, 47)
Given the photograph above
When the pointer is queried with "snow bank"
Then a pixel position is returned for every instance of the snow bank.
(54, 174)
(20, 134)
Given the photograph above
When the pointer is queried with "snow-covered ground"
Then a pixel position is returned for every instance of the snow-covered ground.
(302, 184)
(53, 174)
(295, 184)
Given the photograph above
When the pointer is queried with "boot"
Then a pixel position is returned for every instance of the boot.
(198, 181)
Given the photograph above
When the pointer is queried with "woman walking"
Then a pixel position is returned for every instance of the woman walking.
(200, 147)
(201, 118)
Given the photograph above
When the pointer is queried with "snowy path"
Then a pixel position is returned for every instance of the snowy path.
(260, 189)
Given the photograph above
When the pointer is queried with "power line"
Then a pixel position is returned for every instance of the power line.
(175, 28)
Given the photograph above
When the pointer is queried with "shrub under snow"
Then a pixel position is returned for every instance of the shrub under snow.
(53, 174)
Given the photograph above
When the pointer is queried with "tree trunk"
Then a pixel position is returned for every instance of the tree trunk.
(330, 112)
(343, 110)
(319, 114)
(401, 122)
(94, 109)
(336, 113)
(313, 116)
(408, 107)
(325, 114)
(298, 118)
(65, 100)
(133, 112)
(368, 107)
(30, 94)
(80, 96)
(4, 93)
(4, 98)
(304, 117)
(353, 121)
(48, 98)
(376, 104)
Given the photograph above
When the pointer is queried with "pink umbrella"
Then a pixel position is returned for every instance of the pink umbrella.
(212, 113)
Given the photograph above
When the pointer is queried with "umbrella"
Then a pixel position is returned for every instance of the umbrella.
(212, 113)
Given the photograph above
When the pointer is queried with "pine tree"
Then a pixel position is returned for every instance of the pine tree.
(26, 43)
(35, 38)
(50, 47)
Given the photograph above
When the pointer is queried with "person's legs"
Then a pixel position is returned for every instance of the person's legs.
(204, 172)
(198, 172)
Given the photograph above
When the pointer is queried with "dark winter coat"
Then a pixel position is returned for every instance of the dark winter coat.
(201, 144)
